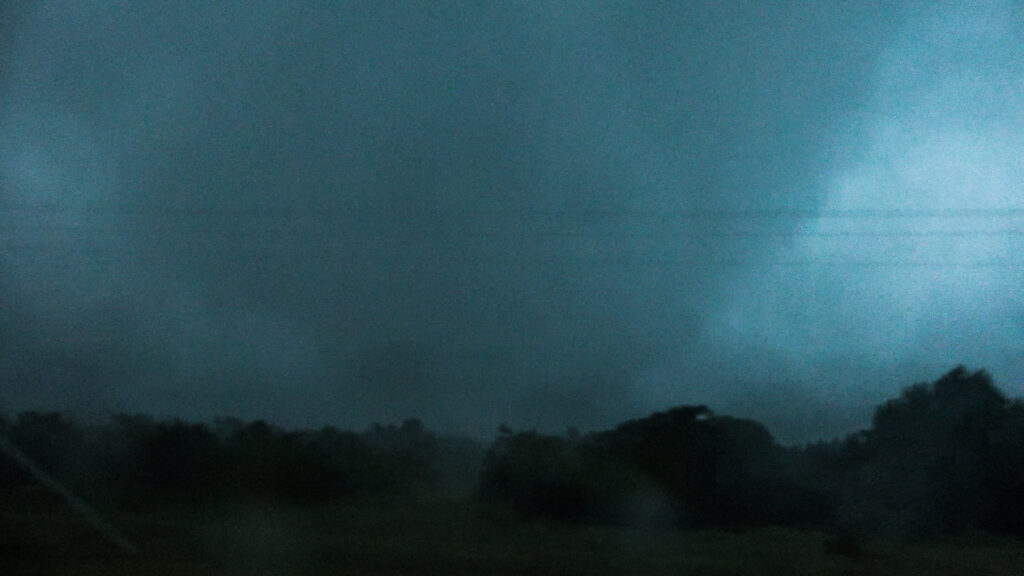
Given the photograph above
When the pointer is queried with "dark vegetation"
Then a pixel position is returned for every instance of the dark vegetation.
(135, 461)
(942, 459)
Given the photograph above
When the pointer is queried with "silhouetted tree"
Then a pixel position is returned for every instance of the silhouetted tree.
(181, 459)
(931, 460)
(11, 474)
(537, 474)
(53, 441)
(458, 461)
(1005, 473)
(700, 469)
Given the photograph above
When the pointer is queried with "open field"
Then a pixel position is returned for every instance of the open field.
(42, 537)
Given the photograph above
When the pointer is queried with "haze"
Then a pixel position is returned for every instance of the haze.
(539, 214)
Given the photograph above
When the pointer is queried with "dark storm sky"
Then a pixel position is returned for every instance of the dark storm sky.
(545, 214)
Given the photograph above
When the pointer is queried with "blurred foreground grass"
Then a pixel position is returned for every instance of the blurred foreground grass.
(40, 536)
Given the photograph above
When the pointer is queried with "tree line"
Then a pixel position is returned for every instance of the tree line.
(137, 461)
(941, 458)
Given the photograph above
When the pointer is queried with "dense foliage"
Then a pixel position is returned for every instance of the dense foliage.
(135, 460)
(941, 458)
(682, 467)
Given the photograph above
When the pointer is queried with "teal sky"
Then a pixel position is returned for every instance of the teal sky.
(542, 214)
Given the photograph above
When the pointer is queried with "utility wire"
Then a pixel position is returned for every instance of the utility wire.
(114, 255)
(282, 213)
(199, 237)
(659, 235)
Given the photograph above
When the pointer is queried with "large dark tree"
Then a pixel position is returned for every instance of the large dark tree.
(940, 458)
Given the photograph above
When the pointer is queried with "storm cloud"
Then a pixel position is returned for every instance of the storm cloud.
(545, 214)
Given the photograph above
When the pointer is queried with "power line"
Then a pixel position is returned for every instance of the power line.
(390, 257)
(181, 227)
(390, 210)
(98, 239)
(534, 223)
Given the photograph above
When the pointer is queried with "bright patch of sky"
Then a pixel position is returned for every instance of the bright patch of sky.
(920, 239)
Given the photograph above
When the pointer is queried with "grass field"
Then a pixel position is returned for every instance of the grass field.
(41, 536)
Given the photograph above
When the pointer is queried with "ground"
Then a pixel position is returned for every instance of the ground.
(42, 536)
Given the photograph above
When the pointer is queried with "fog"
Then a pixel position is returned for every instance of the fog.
(544, 215)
